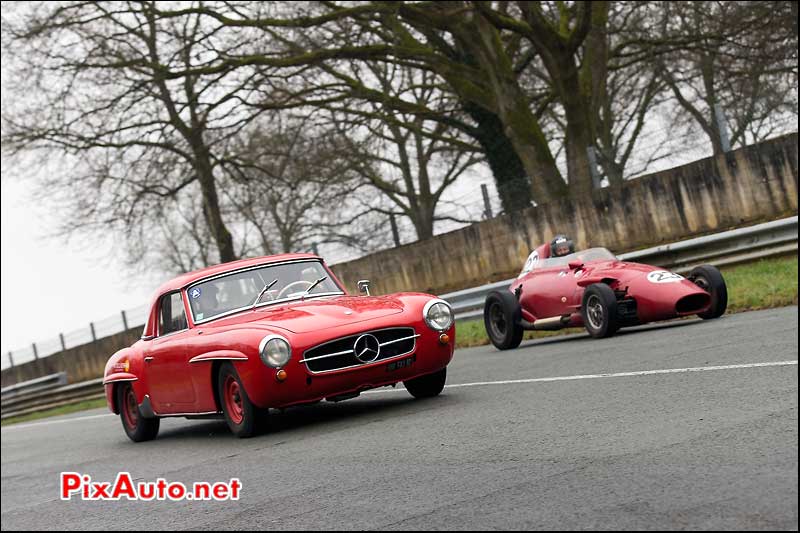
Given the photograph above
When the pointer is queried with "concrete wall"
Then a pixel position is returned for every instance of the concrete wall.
(746, 186)
(80, 363)
(749, 185)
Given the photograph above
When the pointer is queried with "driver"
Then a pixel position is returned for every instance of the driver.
(207, 303)
(561, 245)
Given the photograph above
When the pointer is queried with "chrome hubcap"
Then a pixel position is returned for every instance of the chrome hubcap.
(594, 312)
(703, 283)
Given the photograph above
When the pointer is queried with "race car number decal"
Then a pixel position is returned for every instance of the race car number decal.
(663, 276)
(530, 264)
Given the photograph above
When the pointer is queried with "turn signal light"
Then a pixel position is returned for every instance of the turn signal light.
(280, 375)
(444, 338)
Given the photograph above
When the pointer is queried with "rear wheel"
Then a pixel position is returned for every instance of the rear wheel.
(427, 386)
(501, 317)
(138, 428)
(243, 417)
(599, 310)
(710, 279)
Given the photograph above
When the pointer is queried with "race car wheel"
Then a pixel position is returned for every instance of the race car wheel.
(710, 279)
(138, 428)
(501, 317)
(599, 310)
(427, 386)
(243, 417)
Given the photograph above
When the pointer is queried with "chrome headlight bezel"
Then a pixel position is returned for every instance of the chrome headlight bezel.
(272, 345)
(434, 326)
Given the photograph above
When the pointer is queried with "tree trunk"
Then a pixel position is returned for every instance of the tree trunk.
(511, 180)
(423, 222)
(579, 139)
(520, 124)
(714, 128)
(208, 187)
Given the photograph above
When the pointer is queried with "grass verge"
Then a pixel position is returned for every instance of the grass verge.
(759, 285)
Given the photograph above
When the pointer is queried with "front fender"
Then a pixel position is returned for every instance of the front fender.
(219, 355)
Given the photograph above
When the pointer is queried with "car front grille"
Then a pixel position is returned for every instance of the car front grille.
(341, 353)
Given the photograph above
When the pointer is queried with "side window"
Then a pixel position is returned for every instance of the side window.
(171, 314)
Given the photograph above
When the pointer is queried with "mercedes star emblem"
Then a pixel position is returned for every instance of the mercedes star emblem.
(367, 348)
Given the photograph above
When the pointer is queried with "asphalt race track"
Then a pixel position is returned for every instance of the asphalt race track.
(712, 444)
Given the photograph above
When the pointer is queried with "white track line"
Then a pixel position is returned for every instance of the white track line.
(503, 382)
(614, 375)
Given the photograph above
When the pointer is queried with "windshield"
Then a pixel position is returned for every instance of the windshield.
(584, 256)
(240, 290)
(591, 254)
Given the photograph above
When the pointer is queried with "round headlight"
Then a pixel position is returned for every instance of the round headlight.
(438, 315)
(275, 351)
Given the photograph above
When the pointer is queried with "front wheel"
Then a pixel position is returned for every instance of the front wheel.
(427, 386)
(501, 317)
(137, 428)
(710, 279)
(244, 418)
(599, 310)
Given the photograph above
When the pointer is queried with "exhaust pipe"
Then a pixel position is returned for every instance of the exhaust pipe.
(551, 323)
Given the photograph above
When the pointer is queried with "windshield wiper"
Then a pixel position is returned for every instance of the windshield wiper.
(267, 287)
(320, 280)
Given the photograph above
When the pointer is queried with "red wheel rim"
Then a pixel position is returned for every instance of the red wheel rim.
(233, 400)
(130, 411)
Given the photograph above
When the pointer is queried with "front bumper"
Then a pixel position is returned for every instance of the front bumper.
(303, 386)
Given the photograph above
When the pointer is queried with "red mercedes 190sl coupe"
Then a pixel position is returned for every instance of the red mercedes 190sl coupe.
(239, 338)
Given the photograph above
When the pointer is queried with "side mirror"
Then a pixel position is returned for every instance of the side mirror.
(575, 265)
(363, 286)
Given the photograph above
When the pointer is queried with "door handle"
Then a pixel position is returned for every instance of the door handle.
(148, 359)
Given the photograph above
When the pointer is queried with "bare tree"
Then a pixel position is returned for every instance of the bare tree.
(435, 36)
(483, 52)
(283, 178)
(740, 57)
(94, 80)
(405, 158)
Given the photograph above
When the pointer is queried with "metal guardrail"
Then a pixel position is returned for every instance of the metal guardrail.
(32, 385)
(730, 247)
(740, 245)
(51, 397)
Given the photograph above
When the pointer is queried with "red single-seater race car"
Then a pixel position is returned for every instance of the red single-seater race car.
(239, 338)
(592, 288)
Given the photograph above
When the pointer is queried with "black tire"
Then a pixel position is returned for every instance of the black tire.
(599, 310)
(427, 386)
(137, 428)
(501, 318)
(244, 418)
(710, 279)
